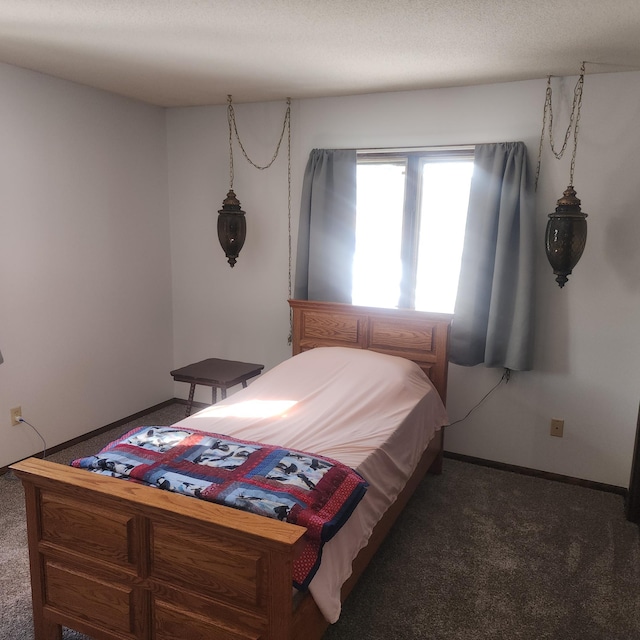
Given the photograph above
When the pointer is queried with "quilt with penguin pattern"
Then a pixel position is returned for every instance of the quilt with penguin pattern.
(301, 488)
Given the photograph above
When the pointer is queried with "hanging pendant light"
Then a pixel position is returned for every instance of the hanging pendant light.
(566, 233)
(232, 227)
(232, 223)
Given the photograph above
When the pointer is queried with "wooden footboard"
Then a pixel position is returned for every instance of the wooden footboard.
(118, 560)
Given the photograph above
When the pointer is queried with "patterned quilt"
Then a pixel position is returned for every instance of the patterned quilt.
(312, 491)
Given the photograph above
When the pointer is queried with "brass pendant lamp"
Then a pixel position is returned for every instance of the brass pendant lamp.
(232, 227)
(566, 233)
(232, 223)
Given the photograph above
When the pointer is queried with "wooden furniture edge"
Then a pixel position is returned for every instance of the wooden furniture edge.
(432, 357)
(46, 474)
(632, 496)
(148, 519)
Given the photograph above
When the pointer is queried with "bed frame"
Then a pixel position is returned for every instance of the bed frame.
(121, 561)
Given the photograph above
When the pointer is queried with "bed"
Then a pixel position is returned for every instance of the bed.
(118, 560)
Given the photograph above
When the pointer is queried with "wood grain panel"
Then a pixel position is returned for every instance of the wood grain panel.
(222, 568)
(224, 614)
(415, 335)
(411, 337)
(172, 623)
(107, 605)
(321, 327)
(85, 528)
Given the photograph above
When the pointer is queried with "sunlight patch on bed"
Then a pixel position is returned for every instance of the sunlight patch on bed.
(248, 409)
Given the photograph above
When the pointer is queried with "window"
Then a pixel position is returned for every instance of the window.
(410, 221)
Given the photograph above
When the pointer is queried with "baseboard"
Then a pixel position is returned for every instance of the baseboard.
(113, 425)
(556, 477)
(194, 404)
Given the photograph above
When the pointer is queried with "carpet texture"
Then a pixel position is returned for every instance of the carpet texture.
(16, 622)
(485, 554)
(478, 554)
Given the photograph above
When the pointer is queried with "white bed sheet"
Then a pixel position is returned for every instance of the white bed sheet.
(372, 412)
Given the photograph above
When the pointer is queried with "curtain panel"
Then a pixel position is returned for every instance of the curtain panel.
(493, 319)
(327, 232)
(494, 312)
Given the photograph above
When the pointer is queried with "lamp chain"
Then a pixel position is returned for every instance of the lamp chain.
(290, 338)
(574, 125)
(286, 126)
(232, 123)
(229, 114)
(578, 92)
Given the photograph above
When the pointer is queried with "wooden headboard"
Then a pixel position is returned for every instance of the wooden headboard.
(416, 335)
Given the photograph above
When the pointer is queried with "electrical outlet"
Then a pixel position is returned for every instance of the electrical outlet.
(16, 413)
(557, 427)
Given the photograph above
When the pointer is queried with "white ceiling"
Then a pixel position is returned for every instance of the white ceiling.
(195, 52)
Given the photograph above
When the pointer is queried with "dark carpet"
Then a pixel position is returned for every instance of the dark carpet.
(484, 554)
(478, 554)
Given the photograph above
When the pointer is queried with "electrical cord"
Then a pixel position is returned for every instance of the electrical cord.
(506, 376)
(44, 451)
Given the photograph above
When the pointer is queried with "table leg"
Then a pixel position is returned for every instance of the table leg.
(190, 403)
(223, 393)
(214, 395)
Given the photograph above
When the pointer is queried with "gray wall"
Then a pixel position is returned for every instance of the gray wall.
(85, 282)
(587, 353)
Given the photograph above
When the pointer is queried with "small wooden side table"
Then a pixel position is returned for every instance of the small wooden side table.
(217, 374)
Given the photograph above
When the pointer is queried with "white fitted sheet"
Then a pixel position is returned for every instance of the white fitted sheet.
(372, 412)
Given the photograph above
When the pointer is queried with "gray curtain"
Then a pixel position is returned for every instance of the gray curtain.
(327, 233)
(493, 321)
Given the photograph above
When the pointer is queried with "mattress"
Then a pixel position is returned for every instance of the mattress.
(372, 412)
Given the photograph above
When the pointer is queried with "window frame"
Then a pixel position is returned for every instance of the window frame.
(413, 159)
